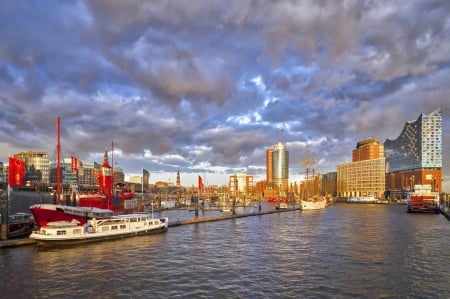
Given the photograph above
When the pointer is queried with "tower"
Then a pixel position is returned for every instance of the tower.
(178, 177)
(280, 167)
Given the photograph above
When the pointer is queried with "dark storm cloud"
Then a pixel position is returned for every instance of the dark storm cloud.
(207, 86)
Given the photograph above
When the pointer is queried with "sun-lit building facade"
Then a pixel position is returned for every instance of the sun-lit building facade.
(365, 175)
(415, 156)
(37, 166)
(241, 184)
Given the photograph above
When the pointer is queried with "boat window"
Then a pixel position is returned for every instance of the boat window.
(133, 219)
(114, 227)
(61, 232)
(123, 226)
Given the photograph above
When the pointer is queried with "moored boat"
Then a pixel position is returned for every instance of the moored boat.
(422, 199)
(312, 199)
(20, 224)
(64, 233)
(102, 203)
(313, 203)
(45, 213)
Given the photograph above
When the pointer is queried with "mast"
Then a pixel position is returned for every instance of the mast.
(58, 162)
(112, 167)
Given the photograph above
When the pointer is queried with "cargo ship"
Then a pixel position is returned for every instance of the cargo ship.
(422, 199)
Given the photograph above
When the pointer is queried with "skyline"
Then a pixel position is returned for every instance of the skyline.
(207, 86)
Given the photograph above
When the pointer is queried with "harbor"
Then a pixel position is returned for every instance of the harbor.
(276, 255)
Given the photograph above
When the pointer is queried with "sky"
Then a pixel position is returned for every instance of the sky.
(207, 86)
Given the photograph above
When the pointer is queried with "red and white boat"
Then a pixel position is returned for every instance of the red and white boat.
(101, 204)
(423, 199)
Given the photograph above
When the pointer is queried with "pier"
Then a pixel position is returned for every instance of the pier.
(27, 241)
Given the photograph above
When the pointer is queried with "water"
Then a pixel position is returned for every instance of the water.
(344, 251)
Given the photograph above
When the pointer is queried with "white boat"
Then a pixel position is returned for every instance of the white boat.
(312, 200)
(63, 233)
(282, 206)
(314, 203)
(362, 199)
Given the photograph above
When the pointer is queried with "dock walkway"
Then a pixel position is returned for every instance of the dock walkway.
(27, 241)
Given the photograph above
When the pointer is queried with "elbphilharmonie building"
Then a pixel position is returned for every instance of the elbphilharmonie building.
(415, 156)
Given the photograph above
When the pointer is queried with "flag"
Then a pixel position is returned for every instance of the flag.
(200, 183)
(16, 172)
(74, 164)
(145, 177)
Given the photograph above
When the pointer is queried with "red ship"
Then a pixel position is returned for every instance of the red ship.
(282, 200)
(101, 204)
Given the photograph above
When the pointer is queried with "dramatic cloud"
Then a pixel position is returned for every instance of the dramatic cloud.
(207, 86)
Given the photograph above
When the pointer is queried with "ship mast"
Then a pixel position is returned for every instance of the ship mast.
(58, 163)
(306, 163)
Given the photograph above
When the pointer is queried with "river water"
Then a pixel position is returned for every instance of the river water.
(344, 251)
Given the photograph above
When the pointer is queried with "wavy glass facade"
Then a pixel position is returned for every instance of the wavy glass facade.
(415, 156)
(418, 146)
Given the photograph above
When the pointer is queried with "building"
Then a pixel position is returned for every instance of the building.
(415, 156)
(280, 168)
(367, 149)
(241, 184)
(269, 165)
(365, 175)
(329, 184)
(37, 166)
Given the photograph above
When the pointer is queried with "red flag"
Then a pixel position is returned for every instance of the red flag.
(16, 172)
(200, 183)
(74, 164)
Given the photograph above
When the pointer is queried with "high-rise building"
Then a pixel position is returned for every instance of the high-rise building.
(280, 168)
(415, 156)
(365, 175)
(269, 164)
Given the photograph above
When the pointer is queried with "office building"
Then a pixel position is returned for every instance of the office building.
(365, 175)
(37, 166)
(241, 184)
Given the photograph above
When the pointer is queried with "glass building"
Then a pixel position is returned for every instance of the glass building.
(415, 156)
(280, 167)
(37, 166)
